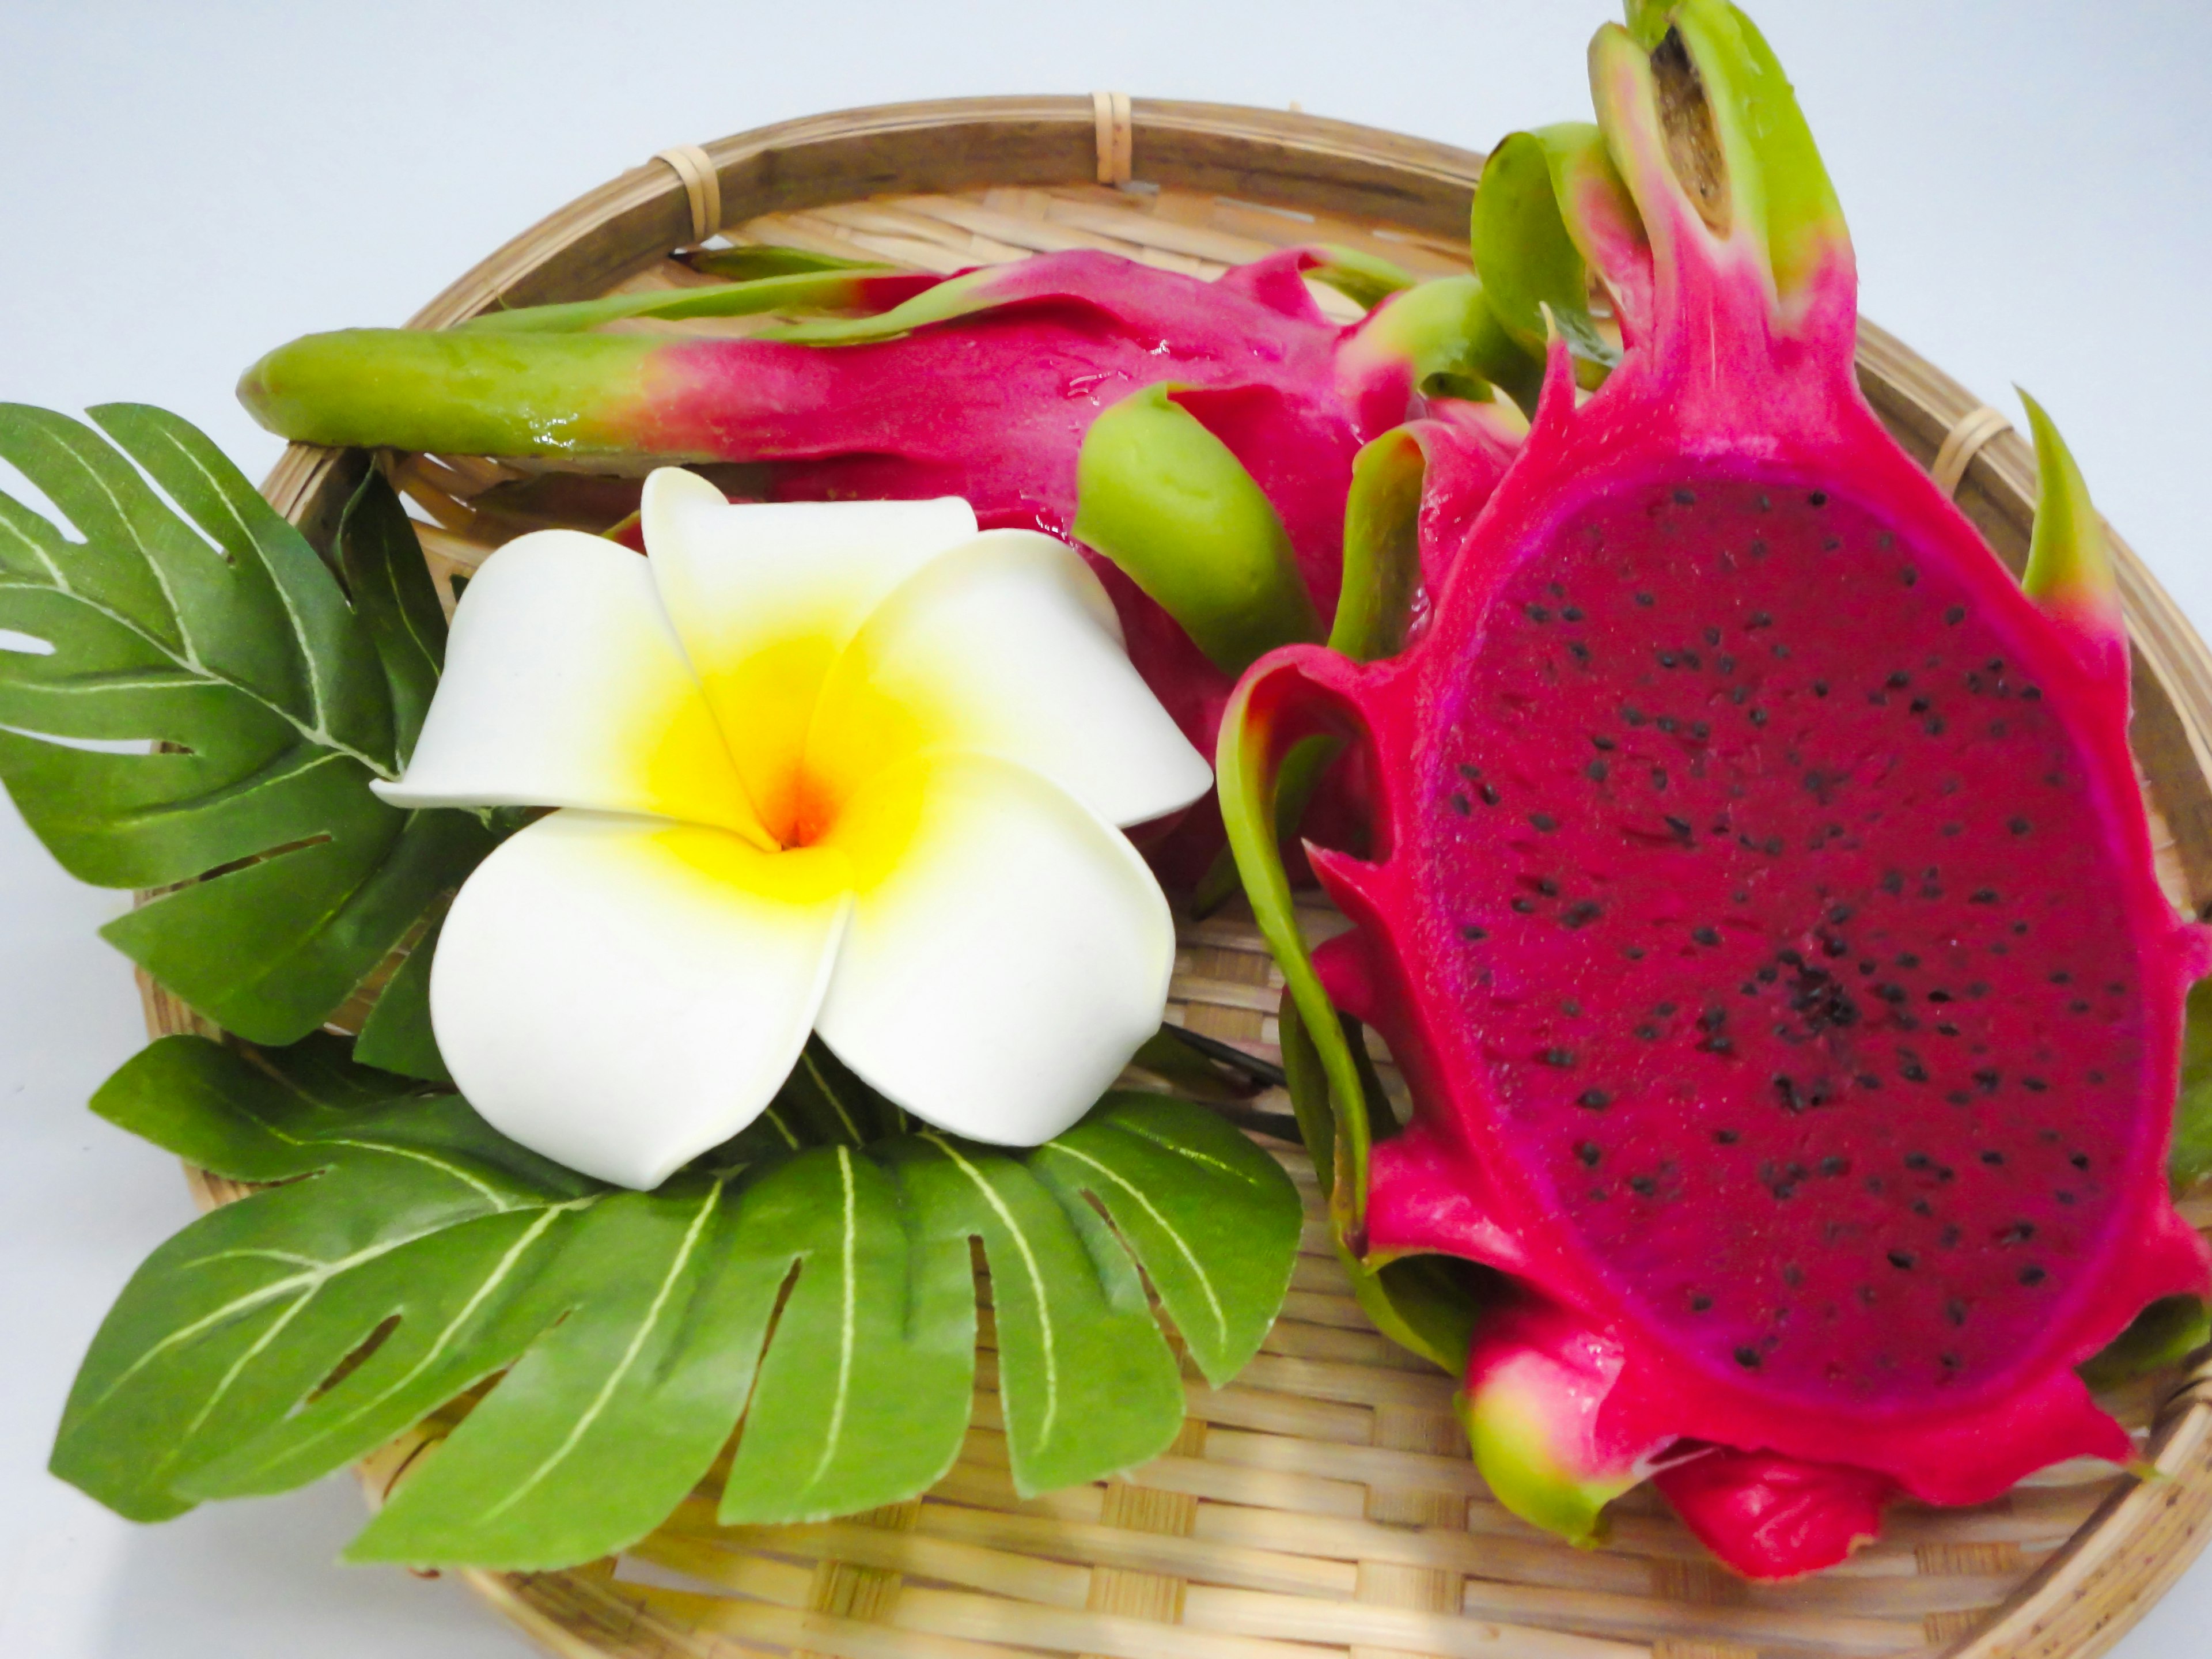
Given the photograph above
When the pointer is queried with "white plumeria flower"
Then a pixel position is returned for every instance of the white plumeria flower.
(847, 767)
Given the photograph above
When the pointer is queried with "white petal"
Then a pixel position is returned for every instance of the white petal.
(764, 596)
(1007, 646)
(1007, 953)
(622, 996)
(565, 686)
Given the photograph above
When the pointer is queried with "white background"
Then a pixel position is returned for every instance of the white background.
(182, 187)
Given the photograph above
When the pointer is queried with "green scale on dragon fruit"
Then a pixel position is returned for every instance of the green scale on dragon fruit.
(1761, 901)
(986, 385)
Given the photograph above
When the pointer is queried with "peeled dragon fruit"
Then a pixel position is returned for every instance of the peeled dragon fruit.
(987, 385)
(1759, 900)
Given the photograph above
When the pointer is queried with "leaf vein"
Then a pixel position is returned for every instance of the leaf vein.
(1182, 1244)
(591, 1414)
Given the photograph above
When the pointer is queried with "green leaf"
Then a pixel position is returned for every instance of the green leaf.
(270, 950)
(221, 639)
(411, 1255)
(1213, 1218)
(395, 600)
(648, 1322)
(2164, 1334)
(2190, 1159)
(1086, 1380)
(234, 1322)
(822, 1103)
(863, 1399)
(397, 1035)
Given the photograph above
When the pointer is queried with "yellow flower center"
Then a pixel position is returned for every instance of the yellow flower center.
(798, 750)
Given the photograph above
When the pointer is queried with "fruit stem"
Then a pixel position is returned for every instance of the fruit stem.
(458, 392)
(1707, 134)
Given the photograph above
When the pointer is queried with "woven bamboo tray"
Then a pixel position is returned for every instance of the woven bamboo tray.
(1324, 1505)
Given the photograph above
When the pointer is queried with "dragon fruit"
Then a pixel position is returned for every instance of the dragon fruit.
(1759, 900)
(984, 386)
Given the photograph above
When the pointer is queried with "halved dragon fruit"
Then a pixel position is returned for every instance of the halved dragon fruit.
(1761, 901)
(986, 385)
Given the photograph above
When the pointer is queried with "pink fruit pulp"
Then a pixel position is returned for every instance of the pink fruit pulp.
(1762, 910)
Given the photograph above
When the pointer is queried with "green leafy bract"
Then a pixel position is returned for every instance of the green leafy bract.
(2191, 1159)
(820, 1289)
(211, 632)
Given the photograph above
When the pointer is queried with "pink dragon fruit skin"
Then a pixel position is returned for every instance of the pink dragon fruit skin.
(983, 386)
(1761, 901)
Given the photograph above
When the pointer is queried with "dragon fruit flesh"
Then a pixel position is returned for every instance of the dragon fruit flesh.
(1759, 899)
(984, 386)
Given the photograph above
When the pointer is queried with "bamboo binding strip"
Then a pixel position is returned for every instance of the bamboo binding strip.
(1962, 443)
(703, 186)
(1322, 1506)
(1110, 111)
